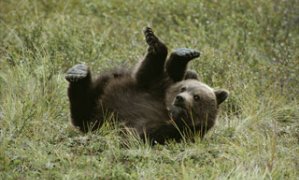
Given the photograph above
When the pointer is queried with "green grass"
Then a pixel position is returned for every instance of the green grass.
(248, 47)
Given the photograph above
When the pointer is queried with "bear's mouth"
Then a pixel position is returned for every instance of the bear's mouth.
(181, 105)
(177, 111)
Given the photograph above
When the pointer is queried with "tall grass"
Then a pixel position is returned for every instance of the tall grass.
(248, 47)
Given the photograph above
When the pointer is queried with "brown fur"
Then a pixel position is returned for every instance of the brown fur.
(194, 105)
(145, 100)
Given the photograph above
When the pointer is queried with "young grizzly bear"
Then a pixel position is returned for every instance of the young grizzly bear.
(160, 100)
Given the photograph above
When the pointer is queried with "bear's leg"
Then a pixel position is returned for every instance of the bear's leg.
(177, 63)
(151, 68)
(81, 96)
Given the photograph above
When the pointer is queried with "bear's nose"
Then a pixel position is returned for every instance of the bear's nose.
(179, 99)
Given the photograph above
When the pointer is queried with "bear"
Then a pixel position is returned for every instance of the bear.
(194, 104)
(159, 100)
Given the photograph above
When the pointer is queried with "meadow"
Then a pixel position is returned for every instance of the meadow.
(249, 47)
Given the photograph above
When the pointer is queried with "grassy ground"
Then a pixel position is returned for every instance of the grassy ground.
(248, 47)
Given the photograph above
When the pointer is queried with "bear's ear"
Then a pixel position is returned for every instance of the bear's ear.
(191, 74)
(221, 95)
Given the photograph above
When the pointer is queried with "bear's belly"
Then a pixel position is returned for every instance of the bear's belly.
(136, 108)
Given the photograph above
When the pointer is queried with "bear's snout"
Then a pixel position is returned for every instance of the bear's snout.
(183, 100)
(179, 99)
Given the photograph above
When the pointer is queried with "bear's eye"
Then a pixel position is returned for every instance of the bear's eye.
(183, 89)
(196, 97)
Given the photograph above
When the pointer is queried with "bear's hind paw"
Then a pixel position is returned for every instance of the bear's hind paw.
(76, 73)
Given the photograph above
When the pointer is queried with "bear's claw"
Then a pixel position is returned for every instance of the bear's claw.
(76, 73)
(186, 54)
(150, 37)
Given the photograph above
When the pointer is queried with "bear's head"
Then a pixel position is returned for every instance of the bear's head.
(194, 105)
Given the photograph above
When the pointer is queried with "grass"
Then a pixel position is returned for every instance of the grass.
(248, 47)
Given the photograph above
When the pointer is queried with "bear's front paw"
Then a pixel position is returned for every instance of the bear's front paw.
(76, 73)
(185, 54)
(150, 37)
